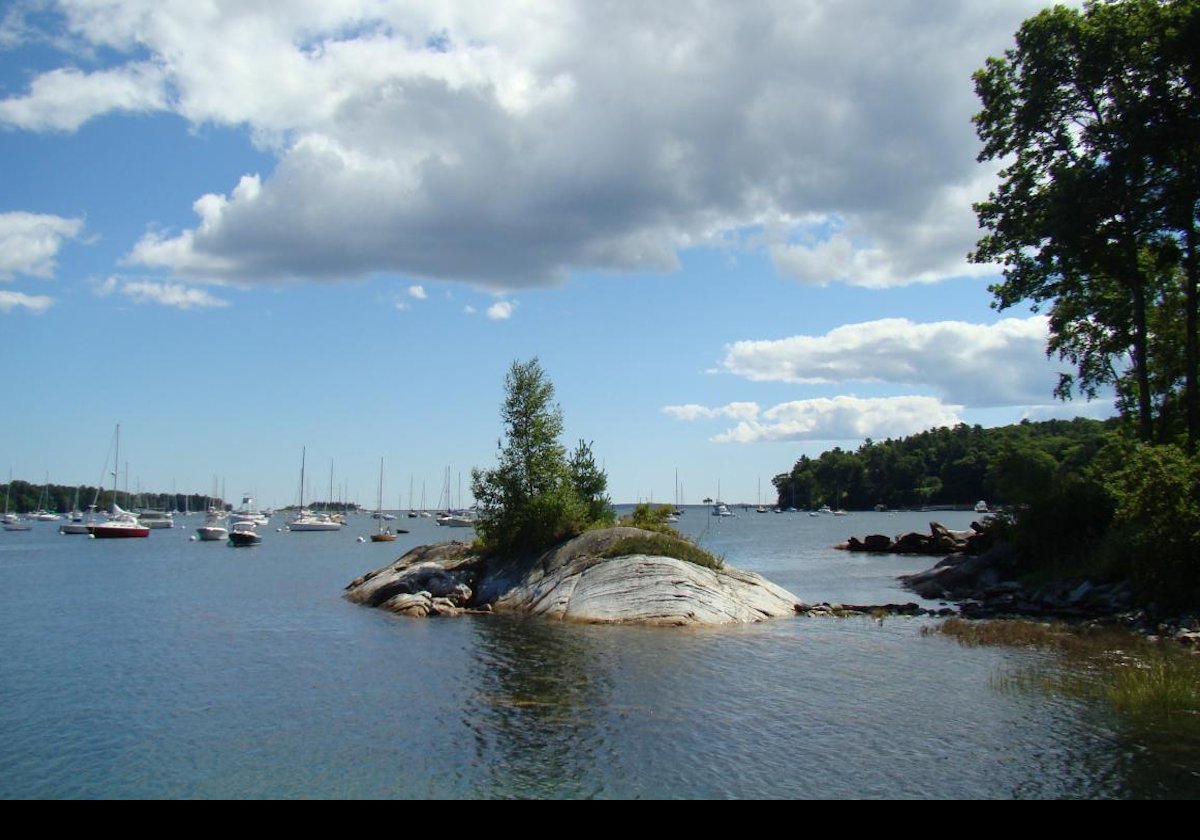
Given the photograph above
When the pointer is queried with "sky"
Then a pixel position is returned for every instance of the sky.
(732, 233)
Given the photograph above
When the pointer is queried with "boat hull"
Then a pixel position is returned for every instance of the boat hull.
(315, 526)
(210, 533)
(117, 532)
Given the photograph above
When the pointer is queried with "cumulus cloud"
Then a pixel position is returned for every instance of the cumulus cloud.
(30, 242)
(174, 295)
(508, 147)
(19, 300)
(417, 292)
(64, 99)
(977, 365)
(501, 310)
(839, 418)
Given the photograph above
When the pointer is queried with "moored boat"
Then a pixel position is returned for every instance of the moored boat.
(121, 523)
(156, 519)
(307, 520)
(244, 534)
(456, 519)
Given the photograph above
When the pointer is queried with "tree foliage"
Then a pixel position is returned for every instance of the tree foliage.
(1158, 522)
(1096, 118)
(536, 496)
(958, 466)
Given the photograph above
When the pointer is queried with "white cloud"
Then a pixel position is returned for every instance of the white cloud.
(417, 292)
(34, 303)
(691, 411)
(30, 242)
(843, 418)
(501, 310)
(64, 99)
(508, 145)
(402, 306)
(175, 295)
(105, 287)
(977, 365)
(469, 310)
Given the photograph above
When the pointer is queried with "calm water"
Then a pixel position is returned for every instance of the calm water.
(169, 668)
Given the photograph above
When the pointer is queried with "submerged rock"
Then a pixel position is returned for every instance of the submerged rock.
(572, 582)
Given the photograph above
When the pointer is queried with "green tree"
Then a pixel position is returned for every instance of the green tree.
(590, 485)
(536, 497)
(1095, 115)
(1158, 518)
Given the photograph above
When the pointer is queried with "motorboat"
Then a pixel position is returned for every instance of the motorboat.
(249, 513)
(455, 519)
(79, 526)
(13, 522)
(212, 531)
(156, 519)
(244, 534)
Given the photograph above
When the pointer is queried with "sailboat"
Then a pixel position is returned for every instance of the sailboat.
(213, 529)
(12, 522)
(307, 520)
(385, 533)
(76, 524)
(412, 513)
(121, 523)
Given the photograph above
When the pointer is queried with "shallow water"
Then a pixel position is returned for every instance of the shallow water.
(165, 668)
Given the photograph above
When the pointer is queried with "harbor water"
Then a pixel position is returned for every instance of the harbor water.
(169, 668)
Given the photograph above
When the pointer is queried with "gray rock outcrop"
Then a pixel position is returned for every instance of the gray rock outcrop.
(573, 583)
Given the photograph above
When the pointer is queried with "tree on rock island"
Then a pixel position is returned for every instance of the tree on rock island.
(536, 496)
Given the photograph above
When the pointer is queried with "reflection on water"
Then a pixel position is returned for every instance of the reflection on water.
(538, 709)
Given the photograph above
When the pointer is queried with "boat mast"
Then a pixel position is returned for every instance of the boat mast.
(116, 465)
(303, 452)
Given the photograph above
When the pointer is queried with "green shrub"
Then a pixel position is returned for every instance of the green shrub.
(650, 518)
(665, 545)
(1158, 523)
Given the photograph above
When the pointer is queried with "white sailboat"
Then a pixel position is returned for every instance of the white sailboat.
(307, 520)
(121, 523)
(12, 522)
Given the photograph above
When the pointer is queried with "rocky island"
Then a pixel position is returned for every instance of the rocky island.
(575, 581)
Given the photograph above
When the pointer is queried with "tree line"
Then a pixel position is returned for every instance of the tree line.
(25, 497)
(947, 466)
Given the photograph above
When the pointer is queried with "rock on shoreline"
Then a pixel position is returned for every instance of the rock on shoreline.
(572, 583)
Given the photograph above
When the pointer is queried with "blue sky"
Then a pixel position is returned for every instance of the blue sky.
(733, 233)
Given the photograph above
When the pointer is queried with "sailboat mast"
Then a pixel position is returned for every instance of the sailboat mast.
(116, 464)
(379, 506)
